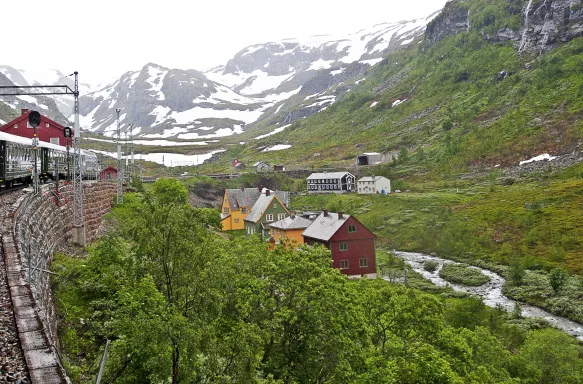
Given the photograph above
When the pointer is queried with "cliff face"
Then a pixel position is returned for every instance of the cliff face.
(544, 23)
(452, 20)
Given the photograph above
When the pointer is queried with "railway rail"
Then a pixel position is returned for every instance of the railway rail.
(12, 363)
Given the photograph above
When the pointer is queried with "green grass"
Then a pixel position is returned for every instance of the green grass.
(537, 221)
(463, 274)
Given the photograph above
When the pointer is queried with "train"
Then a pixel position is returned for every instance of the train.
(17, 161)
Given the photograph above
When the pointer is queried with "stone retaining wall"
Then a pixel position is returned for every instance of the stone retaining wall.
(41, 223)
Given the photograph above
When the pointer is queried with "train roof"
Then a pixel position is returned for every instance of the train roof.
(43, 144)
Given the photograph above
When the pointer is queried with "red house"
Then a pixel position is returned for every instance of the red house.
(49, 130)
(109, 173)
(351, 243)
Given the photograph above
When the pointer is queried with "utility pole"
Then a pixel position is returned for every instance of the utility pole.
(131, 167)
(78, 222)
(141, 169)
(119, 163)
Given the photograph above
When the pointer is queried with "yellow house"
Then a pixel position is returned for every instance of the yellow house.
(290, 228)
(237, 204)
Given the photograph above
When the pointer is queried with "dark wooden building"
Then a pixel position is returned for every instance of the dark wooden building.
(351, 243)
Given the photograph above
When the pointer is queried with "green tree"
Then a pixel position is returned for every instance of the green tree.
(549, 356)
(557, 278)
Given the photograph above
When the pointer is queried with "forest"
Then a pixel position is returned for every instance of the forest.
(182, 304)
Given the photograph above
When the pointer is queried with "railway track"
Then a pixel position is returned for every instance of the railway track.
(12, 363)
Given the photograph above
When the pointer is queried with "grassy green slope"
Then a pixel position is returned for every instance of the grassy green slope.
(459, 110)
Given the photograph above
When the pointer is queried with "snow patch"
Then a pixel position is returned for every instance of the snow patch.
(544, 156)
(277, 130)
(371, 62)
(277, 147)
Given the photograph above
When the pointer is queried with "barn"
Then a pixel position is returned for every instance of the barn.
(48, 131)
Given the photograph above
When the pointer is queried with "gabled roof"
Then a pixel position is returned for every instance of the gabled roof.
(324, 227)
(261, 206)
(328, 175)
(24, 116)
(259, 163)
(296, 222)
(372, 178)
(242, 198)
(246, 198)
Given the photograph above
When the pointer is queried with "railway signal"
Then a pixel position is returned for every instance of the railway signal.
(34, 121)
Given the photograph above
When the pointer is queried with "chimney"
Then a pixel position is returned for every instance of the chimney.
(242, 188)
(325, 212)
(292, 214)
(23, 111)
(259, 188)
(267, 192)
(340, 216)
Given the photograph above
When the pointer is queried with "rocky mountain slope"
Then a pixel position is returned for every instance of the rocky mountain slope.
(22, 77)
(492, 84)
(257, 83)
(46, 105)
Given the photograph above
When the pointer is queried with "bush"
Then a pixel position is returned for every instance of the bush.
(430, 266)
(463, 274)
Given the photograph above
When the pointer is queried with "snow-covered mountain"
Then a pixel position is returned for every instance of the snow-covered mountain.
(44, 104)
(298, 74)
(271, 68)
(23, 77)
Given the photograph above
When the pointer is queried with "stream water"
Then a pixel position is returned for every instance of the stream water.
(491, 292)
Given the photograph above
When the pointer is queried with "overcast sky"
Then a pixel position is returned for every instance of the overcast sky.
(105, 38)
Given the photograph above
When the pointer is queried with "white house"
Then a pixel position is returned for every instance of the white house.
(374, 184)
(260, 166)
(331, 182)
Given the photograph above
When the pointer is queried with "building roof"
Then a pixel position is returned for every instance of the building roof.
(260, 206)
(328, 175)
(372, 178)
(247, 197)
(295, 222)
(259, 163)
(24, 116)
(324, 227)
(242, 197)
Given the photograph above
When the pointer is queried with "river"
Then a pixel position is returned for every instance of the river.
(491, 292)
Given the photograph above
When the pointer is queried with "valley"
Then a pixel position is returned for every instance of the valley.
(475, 115)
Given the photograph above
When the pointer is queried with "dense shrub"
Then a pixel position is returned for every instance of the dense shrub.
(463, 274)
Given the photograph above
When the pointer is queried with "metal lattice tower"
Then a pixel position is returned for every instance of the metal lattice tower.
(131, 166)
(119, 162)
(77, 163)
(141, 169)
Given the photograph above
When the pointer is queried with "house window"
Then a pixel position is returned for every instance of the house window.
(244, 210)
(363, 263)
(15, 126)
(55, 140)
(226, 210)
(343, 264)
(274, 205)
(47, 125)
(236, 221)
(352, 228)
(343, 246)
(269, 217)
(281, 216)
